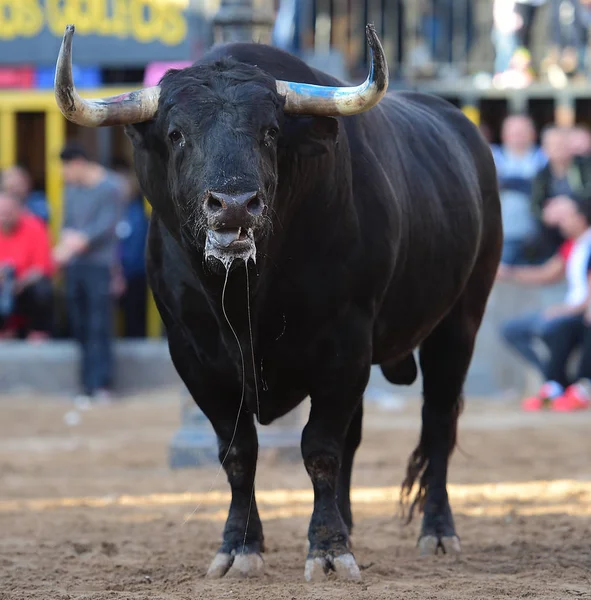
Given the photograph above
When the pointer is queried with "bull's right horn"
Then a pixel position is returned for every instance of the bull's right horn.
(332, 101)
(132, 107)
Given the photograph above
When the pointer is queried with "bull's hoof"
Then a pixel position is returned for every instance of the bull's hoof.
(344, 566)
(431, 544)
(236, 565)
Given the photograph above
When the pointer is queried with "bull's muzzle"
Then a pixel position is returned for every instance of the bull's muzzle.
(233, 210)
(231, 219)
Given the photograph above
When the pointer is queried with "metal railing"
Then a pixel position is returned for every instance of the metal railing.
(421, 38)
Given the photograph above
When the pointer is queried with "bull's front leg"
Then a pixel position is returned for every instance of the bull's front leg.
(240, 552)
(323, 440)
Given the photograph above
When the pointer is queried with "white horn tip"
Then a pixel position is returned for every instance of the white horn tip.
(379, 76)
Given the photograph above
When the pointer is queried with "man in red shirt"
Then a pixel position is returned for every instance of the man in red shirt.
(25, 270)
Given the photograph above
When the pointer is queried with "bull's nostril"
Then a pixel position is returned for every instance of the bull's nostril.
(213, 204)
(254, 206)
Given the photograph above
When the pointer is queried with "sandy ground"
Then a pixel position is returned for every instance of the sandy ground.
(92, 511)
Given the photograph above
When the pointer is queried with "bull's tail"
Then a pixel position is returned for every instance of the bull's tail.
(418, 464)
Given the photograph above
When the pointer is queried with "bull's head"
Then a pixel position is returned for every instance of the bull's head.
(207, 139)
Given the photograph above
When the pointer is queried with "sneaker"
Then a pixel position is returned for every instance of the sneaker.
(102, 396)
(83, 402)
(575, 397)
(37, 336)
(544, 398)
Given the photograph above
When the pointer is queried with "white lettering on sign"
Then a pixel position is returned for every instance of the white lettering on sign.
(144, 21)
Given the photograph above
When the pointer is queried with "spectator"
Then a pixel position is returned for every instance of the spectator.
(572, 260)
(25, 271)
(17, 181)
(569, 22)
(564, 175)
(580, 140)
(559, 393)
(86, 251)
(132, 231)
(517, 160)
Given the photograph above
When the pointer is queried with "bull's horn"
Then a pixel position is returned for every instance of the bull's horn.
(132, 107)
(305, 98)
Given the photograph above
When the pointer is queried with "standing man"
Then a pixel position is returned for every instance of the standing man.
(87, 251)
(518, 160)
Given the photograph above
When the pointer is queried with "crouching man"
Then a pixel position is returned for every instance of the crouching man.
(26, 299)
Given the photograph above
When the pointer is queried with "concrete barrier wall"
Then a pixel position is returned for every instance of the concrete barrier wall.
(146, 365)
(52, 368)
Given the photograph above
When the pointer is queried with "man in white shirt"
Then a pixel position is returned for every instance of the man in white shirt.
(571, 262)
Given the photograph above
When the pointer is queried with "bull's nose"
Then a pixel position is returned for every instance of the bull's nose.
(228, 206)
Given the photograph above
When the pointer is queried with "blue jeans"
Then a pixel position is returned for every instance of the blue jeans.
(521, 332)
(567, 335)
(90, 309)
(513, 253)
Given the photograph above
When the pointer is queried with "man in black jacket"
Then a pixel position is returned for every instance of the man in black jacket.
(565, 175)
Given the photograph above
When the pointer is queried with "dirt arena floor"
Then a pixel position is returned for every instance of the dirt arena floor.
(92, 510)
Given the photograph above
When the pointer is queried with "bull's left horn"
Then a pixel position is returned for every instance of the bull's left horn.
(305, 98)
(133, 107)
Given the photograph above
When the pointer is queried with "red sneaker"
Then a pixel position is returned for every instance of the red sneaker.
(574, 398)
(542, 400)
(37, 336)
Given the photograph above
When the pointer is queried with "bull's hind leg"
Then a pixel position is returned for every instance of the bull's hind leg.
(444, 358)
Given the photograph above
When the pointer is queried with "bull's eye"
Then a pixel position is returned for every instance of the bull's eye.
(175, 136)
(270, 135)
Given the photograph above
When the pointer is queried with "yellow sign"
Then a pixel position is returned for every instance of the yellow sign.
(144, 21)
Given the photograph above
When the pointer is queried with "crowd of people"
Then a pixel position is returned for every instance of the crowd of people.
(99, 257)
(447, 34)
(545, 195)
(569, 22)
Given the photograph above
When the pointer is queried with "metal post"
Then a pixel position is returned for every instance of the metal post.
(324, 56)
(55, 138)
(240, 21)
(8, 137)
(195, 443)
(565, 110)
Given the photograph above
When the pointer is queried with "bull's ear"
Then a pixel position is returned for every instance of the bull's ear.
(310, 136)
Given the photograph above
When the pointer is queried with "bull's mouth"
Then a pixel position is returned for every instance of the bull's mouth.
(230, 243)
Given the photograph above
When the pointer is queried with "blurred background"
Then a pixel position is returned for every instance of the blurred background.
(491, 59)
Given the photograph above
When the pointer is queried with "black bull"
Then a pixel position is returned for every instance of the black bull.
(375, 234)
